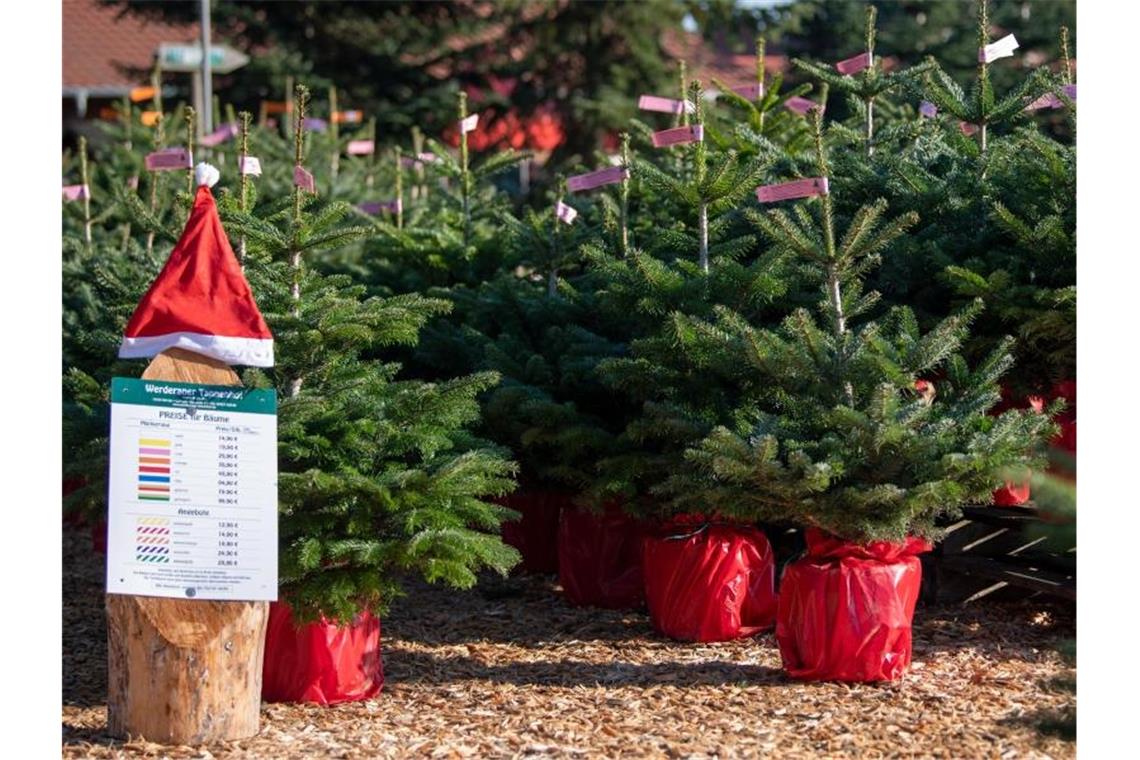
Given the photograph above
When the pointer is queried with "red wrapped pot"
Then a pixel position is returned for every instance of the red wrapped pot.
(1015, 494)
(599, 558)
(845, 609)
(709, 582)
(320, 662)
(535, 534)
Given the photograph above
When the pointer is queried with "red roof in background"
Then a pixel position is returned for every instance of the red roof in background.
(97, 45)
(704, 62)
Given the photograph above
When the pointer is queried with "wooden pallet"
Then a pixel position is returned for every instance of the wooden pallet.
(990, 554)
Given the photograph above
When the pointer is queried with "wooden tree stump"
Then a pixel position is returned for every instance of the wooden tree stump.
(182, 671)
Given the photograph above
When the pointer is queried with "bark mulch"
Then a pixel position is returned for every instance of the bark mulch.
(510, 670)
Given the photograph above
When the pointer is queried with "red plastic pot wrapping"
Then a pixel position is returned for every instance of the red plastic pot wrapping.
(599, 559)
(535, 535)
(711, 584)
(1011, 494)
(845, 610)
(321, 662)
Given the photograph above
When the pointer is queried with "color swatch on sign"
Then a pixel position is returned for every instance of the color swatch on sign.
(152, 540)
(154, 469)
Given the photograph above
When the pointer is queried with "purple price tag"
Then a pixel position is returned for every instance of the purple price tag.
(799, 188)
(750, 91)
(75, 192)
(303, 179)
(590, 180)
(168, 159)
(854, 64)
(664, 105)
(219, 135)
(801, 105)
(375, 207)
(679, 136)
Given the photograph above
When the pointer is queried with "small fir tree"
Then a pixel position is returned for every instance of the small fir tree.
(831, 432)
(377, 475)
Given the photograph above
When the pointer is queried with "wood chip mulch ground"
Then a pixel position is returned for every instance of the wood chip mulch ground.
(510, 670)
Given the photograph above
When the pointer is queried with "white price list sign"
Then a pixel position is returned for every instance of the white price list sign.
(192, 502)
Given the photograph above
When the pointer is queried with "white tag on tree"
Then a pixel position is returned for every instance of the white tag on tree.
(1003, 48)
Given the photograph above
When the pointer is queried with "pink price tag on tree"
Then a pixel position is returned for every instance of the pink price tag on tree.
(303, 179)
(75, 192)
(375, 207)
(249, 165)
(565, 213)
(679, 136)
(219, 135)
(664, 105)
(590, 180)
(750, 91)
(168, 159)
(1050, 100)
(785, 191)
(967, 128)
(469, 124)
(854, 64)
(801, 105)
(361, 147)
(1003, 48)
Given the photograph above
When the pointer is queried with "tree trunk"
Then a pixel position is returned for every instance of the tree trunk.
(183, 671)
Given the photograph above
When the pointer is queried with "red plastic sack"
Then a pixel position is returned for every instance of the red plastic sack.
(1015, 494)
(710, 582)
(845, 609)
(599, 558)
(320, 662)
(535, 535)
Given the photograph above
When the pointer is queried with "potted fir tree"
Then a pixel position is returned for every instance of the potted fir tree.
(832, 434)
(706, 577)
(377, 476)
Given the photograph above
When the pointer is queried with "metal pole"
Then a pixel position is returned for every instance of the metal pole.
(206, 125)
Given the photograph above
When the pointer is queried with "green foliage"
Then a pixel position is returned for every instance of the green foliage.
(830, 430)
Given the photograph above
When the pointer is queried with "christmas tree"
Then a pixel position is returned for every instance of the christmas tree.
(703, 257)
(378, 475)
(830, 430)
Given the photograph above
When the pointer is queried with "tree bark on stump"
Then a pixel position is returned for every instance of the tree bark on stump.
(184, 671)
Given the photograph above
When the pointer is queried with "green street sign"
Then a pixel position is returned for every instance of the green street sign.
(183, 57)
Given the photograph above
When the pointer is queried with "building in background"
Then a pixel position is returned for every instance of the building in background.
(104, 53)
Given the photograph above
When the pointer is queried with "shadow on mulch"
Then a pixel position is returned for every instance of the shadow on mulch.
(503, 610)
(994, 629)
(84, 623)
(415, 667)
(79, 737)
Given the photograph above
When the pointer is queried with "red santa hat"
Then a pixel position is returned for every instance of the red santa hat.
(200, 300)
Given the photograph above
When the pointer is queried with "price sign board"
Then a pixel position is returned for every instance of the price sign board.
(192, 502)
